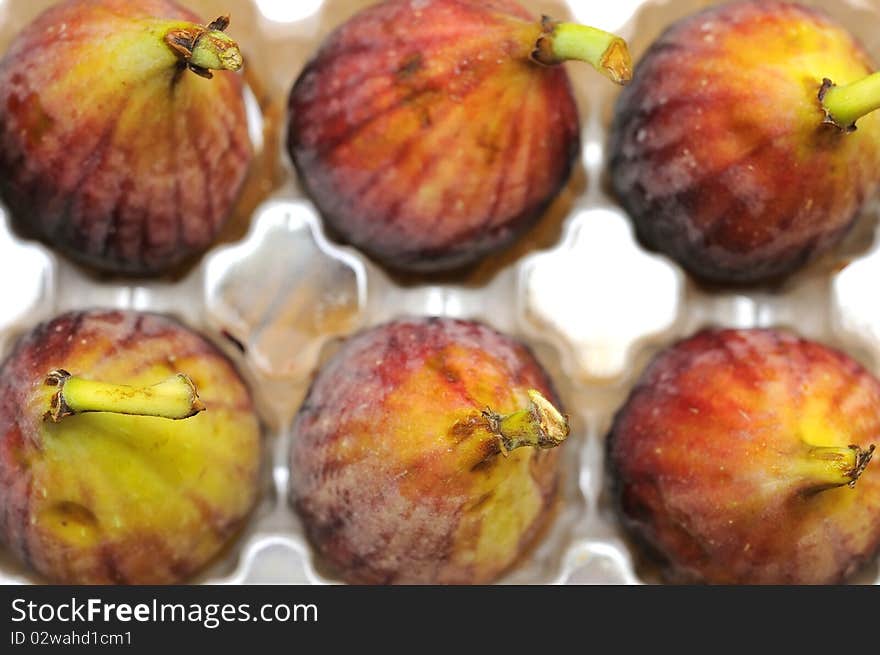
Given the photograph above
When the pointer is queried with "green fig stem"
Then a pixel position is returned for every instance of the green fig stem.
(540, 425)
(844, 105)
(608, 53)
(828, 467)
(174, 398)
(205, 48)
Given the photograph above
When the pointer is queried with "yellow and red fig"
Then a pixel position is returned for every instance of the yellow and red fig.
(114, 148)
(742, 456)
(735, 150)
(431, 133)
(426, 452)
(129, 449)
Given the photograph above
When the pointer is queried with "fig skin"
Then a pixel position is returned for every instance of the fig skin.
(110, 151)
(393, 471)
(718, 148)
(711, 465)
(103, 498)
(426, 136)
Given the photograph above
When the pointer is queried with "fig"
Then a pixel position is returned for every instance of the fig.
(425, 453)
(113, 468)
(741, 457)
(735, 149)
(432, 133)
(114, 148)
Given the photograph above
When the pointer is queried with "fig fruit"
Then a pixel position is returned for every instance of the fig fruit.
(114, 149)
(424, 452)
(97, 484)
(432, 133)
(741, 456)
(734, 149)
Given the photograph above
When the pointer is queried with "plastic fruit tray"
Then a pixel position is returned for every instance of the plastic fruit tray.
(594, 305)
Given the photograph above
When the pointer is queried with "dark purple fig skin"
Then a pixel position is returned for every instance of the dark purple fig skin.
(427, 137)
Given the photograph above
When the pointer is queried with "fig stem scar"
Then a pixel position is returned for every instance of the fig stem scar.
(205, 48)
(540, 425)
(606, 52)
(846, 104)
(173, 398)
(836, 466)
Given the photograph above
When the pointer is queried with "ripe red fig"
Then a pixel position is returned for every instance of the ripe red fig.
(425, 452)
(742, 456)
(114, 149)
(113, 468)
(431, 133)
(735, 150)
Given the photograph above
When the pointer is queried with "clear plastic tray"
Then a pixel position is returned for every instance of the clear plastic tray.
(592, 303)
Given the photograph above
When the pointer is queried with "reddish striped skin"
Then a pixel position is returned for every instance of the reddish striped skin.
(426, 136)
(718, 149)
(393, 472)
(107, 499)
(708, 462)
(107, 158)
